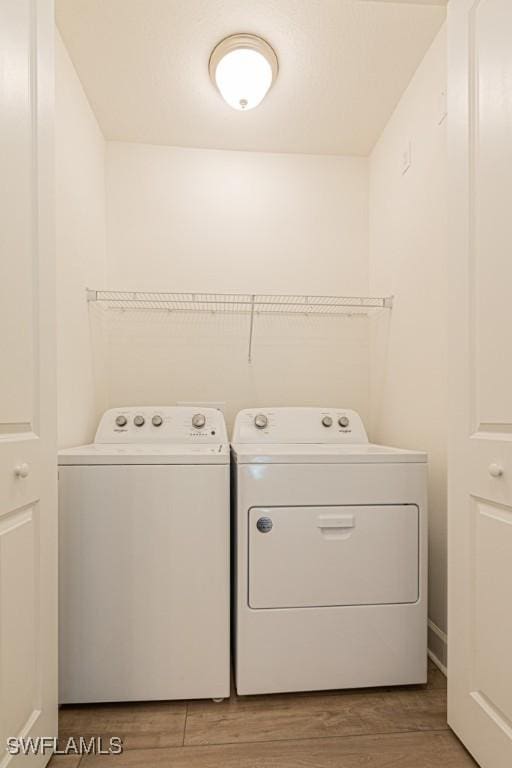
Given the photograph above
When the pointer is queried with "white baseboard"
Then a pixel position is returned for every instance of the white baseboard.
(438, 664)
(437, 646)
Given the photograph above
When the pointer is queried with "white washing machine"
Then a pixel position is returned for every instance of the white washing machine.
(144, 558)
(331, 554)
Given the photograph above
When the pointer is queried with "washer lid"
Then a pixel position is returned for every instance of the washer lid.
(300, 453)
(112, 453)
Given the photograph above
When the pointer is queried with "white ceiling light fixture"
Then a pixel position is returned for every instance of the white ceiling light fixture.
(243, 67)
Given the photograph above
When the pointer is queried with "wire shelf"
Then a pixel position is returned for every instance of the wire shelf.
(240, 303)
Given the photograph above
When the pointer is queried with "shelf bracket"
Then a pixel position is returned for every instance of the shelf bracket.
(251, 329)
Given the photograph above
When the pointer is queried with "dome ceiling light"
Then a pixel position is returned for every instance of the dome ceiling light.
(243, 68)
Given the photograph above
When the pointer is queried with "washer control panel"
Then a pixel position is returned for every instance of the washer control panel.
(299, 425)
(166, 424)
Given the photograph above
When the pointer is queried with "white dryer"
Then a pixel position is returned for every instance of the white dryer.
(331, 554)
(144, 558)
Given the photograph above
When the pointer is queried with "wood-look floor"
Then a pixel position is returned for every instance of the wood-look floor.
(377, 728)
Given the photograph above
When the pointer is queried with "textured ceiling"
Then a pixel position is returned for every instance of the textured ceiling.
(343, 67)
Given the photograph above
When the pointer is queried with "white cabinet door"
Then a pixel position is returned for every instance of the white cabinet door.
(480, 484)
(28, 611)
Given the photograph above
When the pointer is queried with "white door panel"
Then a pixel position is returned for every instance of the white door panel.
(16, 269)
(491, 191)
(28, 640)
(18, 638)
(480, 479)
(493, 620)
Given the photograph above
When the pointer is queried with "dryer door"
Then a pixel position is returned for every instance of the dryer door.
(302, 557)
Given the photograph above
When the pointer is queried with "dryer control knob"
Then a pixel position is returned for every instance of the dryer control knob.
(343, 421)
(198, 420)
(139, 421)
(260, 421)
(327, 421)
(157, 421)
(121, 421)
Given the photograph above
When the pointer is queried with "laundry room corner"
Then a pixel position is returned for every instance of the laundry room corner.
(408, 258)
(193, 212)
(81, 255)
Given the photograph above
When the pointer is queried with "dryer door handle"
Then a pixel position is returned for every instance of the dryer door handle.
(336, 527)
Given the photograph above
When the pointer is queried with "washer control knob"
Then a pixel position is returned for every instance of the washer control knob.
(344, 421)
(198, 420)
(157, 420)
(121, 421)
(327, 421)
(139, 421)
(260, 421)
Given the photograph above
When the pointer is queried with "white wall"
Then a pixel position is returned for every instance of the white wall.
(81, 254)
(206, 220)
(408, 254)
(216, 220)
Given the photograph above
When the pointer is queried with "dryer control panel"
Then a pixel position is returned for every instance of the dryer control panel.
(165, 424)
(299, 425)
